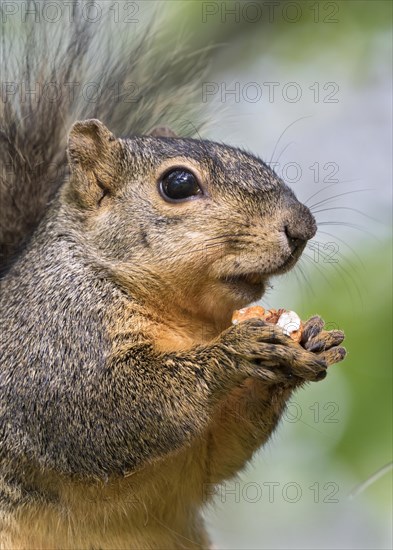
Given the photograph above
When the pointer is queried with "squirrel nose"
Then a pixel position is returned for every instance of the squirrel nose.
(293, 241)
(300, 226)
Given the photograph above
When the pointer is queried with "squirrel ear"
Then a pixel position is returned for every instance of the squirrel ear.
(92, 150)
(88, 141)
(162, 131)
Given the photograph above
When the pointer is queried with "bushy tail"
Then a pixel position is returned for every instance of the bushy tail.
(55, 73)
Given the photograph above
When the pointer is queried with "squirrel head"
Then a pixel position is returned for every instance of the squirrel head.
(196, 224)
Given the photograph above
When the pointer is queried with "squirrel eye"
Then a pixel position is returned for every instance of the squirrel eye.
(179, 184)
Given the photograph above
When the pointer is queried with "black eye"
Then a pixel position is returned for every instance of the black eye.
(179, 184)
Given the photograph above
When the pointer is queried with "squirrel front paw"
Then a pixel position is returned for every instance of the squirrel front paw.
(324, 343)
(262, 350)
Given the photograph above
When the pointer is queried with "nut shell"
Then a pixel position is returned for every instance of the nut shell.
(253, 312)
(291, 324)
(289, 321)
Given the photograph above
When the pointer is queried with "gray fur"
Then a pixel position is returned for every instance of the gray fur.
(117, 352)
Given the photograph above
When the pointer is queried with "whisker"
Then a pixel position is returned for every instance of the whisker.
(200, 249)
(214, 242)
(346, 244)
(352, 226)
(339, 267)
(307, 288)
(341, 256)
(346, 208)
(320, 191)
(228, 235)
(328, 187)
(337, 196)
(282, 134)
(318, 267)
(302, 287)
(283, 151)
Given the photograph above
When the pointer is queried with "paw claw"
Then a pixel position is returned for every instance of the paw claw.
(312, 328)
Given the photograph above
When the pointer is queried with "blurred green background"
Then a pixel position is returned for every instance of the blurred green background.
(337, 434)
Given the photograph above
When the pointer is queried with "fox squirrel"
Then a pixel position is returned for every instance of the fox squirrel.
(125, 390)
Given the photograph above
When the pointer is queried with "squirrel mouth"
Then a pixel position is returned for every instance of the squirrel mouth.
(255, 282)
(254, 279)
(288, 264)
